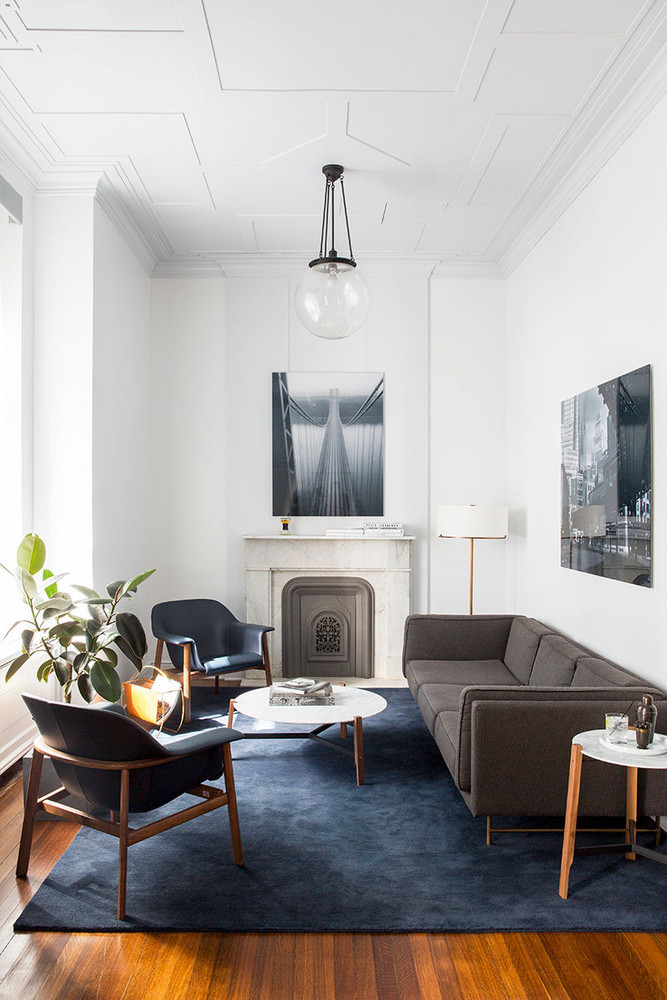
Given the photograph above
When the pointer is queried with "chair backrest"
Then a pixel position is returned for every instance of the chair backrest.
(95, 733)
(205, 621)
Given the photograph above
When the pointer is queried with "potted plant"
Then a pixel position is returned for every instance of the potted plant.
(70, 637)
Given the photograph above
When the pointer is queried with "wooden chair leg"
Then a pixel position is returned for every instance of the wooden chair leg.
(267, 661)
(158, 653)
(123, 841)
(232, 807)
(230, 714)
(29, 814)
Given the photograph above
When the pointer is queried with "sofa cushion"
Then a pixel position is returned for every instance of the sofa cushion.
(435, 698)
(555, 662)
(460, 672)
(524, 638)
(446, 735)
(593, 671)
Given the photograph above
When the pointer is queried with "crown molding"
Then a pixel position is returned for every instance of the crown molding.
(125, 224)
(621, 118)
(292, 266)
(186, 267)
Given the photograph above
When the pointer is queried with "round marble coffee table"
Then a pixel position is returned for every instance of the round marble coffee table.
(352, 706)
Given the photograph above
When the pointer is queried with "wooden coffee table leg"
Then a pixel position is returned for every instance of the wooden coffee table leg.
(359, 748)
(570, 831)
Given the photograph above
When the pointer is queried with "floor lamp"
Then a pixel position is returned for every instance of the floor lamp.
(471, 521)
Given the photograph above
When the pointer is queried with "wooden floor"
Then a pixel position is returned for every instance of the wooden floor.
(302, 966)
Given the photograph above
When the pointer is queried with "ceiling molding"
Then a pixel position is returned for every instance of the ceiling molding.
(188, 268)
(125, 224)
(292, 266)
(540, 212)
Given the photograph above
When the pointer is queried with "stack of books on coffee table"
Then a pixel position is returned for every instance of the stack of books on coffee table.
(301, 691)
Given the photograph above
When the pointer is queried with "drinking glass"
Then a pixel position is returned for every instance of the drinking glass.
(616, 727)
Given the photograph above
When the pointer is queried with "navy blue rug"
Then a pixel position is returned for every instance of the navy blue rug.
(401, 853)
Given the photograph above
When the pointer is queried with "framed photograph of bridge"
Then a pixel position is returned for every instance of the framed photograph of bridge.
(606, 479)
(328, 444)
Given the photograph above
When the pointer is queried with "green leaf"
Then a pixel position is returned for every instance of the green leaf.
(93, 626)
(130, 628)
(11, 628)
(86, 591)
(99, 600)
(86, 689)
(110, 654)
(26, 638)
(79, 661)
(26, 583)
(66, 630)
(106, 681)
(44, 670)
(50, 581)
(132, 584)
(62, 672)
(125, 648)
(60, 603)
(31, 554)
(113, 588)
(15, 665)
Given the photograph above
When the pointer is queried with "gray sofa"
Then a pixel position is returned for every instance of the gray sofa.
(503, 695)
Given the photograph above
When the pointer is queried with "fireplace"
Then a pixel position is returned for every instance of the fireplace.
(328, 627)
(272, 562)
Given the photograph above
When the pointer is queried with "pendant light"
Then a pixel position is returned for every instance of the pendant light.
(332, 298)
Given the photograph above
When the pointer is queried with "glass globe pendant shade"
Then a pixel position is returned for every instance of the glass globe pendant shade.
(332, 300)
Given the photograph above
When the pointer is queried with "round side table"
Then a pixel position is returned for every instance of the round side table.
(631, 758)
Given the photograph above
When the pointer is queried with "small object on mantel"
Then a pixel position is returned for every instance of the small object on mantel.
(383, 529)
(285, 522)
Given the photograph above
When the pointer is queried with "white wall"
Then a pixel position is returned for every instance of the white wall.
(264, 336)
(189, 468)
(467, 436)
(588, 304)
(121, 415)
(63, 382)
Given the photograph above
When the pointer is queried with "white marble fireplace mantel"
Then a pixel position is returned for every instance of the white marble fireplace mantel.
(386, 563)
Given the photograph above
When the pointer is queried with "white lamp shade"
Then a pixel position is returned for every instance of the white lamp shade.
(471, 521)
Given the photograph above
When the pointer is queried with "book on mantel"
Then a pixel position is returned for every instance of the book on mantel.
(301, 691)
(383, 529)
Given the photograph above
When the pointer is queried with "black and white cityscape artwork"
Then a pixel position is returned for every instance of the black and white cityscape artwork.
(606, 479)
(328, 444)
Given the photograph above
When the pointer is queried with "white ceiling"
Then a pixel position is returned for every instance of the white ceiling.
(462, 124)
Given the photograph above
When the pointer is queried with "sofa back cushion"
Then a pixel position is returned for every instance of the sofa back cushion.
(555, 662)
(522, 644)
(593, 671)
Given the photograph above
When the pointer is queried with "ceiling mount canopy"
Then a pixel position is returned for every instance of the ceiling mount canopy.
(332, 298)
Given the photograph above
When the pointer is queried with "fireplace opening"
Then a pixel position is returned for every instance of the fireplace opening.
(328, 627)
